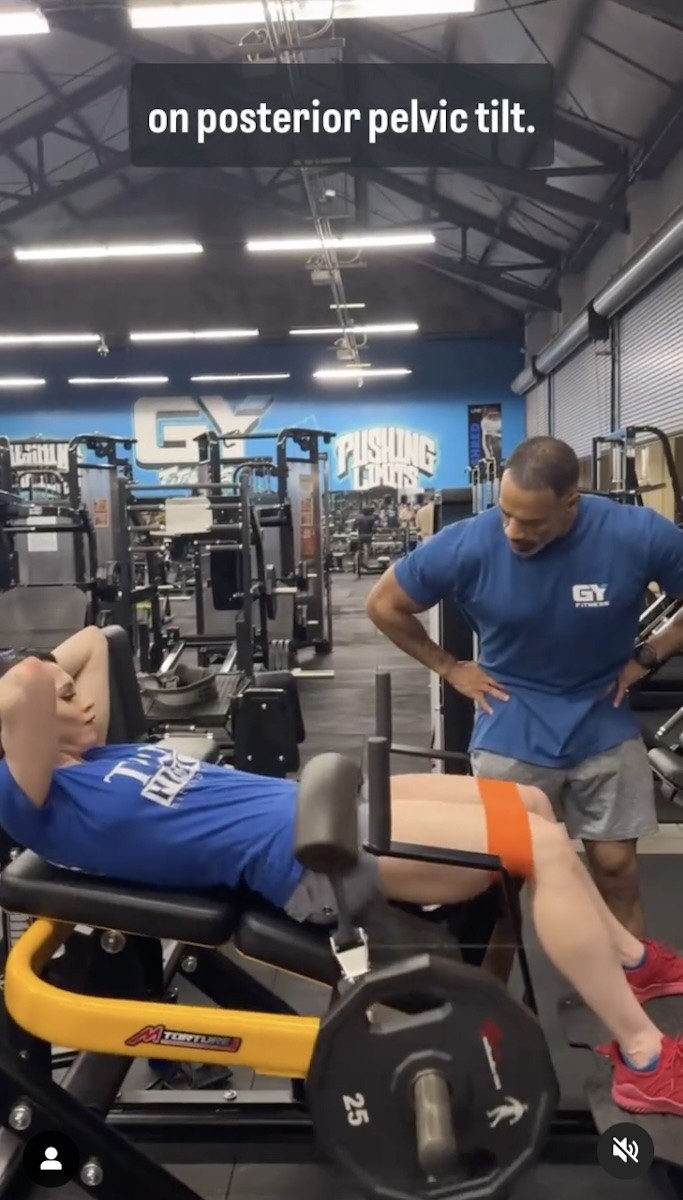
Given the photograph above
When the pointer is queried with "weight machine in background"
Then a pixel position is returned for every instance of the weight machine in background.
(65, 555)
(452, 714)
(623, 483)
(295, 524)
(385, 547)
(391, 539)
(485, 479)
(232, 591)
(658, 701)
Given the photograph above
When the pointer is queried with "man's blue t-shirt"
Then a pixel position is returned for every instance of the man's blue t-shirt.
(556, 628)
(143, 814)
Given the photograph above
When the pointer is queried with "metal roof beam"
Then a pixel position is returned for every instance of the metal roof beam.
(58, 193)
(661, 142)
(460, 269)
(531, 185)
(668, 11)
(563, 68)
(45, 120)
(570, 130)
(62, 103)
(454, 213)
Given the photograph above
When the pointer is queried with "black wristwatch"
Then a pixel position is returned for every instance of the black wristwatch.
(646, 656)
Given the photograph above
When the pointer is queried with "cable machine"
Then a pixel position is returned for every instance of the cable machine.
(624, 484)
(295, 521)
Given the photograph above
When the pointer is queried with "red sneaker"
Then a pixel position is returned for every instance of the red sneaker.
(660, 975)
(656, 1091)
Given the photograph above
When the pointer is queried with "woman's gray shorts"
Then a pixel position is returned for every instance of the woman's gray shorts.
(313, 899)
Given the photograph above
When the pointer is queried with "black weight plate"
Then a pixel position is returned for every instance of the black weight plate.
(490, 1049)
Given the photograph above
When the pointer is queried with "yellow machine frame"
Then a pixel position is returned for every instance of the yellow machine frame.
(269, 1043)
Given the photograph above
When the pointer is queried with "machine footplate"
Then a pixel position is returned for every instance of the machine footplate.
(209, 714)
(584, 1031)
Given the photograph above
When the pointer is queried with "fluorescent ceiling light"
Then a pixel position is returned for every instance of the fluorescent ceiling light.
(343, 307)
(123, 250)
(20, 382)
(178, 16)
(22, 21)
(48, 339)
(396, 327)
(82, 380)
(363, 241)
(198, 335)
(233, 378)
(340, 373)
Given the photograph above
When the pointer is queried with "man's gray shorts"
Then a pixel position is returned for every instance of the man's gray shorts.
(314, 900)
(607, 798)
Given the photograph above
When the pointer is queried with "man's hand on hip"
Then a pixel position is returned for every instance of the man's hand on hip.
(470, 680)
(632, 673)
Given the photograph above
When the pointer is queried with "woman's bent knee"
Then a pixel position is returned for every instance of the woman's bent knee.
(551, 844)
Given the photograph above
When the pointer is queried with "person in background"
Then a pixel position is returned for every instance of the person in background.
(366, 524)
(424, 519)
(553, 582)
(392, 514)
(405, 513)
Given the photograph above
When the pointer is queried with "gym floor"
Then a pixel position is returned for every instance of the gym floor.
(339, 715)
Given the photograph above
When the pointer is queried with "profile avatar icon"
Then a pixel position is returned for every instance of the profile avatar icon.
(51, 1161)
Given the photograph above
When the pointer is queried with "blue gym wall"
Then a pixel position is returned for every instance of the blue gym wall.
(448, 375)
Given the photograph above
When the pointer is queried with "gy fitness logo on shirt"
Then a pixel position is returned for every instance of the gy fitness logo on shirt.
(590, 595)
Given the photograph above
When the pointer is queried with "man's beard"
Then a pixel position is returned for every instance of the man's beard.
(531, 553)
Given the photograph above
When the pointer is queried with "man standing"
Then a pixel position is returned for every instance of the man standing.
(553, 582)
(424, 519)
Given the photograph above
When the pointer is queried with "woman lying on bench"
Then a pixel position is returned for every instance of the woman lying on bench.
(142, 814)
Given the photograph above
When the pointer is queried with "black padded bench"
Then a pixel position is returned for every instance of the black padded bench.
(33, 887)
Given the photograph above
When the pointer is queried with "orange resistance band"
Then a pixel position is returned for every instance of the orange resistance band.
(508, 826)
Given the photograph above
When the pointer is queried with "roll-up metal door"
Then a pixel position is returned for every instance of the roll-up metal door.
(651, 358)
(581, 401)
(537, 414)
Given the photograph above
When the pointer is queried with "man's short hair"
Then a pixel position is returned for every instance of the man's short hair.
(10, 658)
(544, 464)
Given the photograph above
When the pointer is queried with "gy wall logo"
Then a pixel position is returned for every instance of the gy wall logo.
(386, 456)
(165, 429)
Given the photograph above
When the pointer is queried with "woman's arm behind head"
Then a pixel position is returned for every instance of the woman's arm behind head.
(28, 726)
